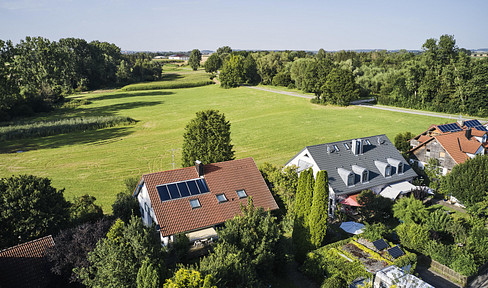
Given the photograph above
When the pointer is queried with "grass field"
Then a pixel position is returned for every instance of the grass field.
(266, 126)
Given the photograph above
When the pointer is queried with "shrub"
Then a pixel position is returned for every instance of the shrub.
(159, 85)
(408, 259)
(61, 126)
(375, 231)
(413, 236)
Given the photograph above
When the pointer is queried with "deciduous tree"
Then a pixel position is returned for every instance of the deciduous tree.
(195, 58)
(232, 73)
(30, 208)
(410, 210)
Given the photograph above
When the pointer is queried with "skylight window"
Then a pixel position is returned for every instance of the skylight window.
(194, 203)
(221, 198)
(347, 146)
(336, 148)
(241, 193)
(367, 142)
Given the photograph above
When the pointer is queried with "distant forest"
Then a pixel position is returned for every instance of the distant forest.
(442, 78)
(37, 73)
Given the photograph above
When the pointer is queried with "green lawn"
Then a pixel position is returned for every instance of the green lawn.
(267, 126)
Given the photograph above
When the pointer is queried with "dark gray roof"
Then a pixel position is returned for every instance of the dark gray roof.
(346, 159)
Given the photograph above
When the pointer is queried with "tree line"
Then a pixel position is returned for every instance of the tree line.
(442, 78)
(37, 73)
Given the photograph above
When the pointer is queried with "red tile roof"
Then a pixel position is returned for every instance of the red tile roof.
(177, 216)
(424, 138)
(457, 145)
(25, 265)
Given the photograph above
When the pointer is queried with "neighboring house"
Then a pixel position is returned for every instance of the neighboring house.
(194, 200)
(394, 276)
(161, 57)
(179, 57)
(451, 144)
(25, 265)
(358, 164)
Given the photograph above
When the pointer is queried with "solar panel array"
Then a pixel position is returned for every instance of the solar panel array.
(395, 252)
(182, 189)
(380, 244)
(451, 127)
(475, 124)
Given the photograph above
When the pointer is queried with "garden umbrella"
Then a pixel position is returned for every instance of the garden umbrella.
(352, 227)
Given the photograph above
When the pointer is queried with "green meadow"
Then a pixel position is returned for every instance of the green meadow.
(267, 126)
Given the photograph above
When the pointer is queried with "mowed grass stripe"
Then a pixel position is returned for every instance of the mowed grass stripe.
(266, 126)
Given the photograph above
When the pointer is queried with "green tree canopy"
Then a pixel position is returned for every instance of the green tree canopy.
(30, 208)
(247, 249)
(116, 260)
(207, 138)
(213, 63)
(340, 87)
(410, 210)
(232, 73)
(402, 141)
(188, 278)
(195, 58)
(83, 209)
(468, 181)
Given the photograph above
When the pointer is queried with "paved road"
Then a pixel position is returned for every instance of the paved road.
(416, 112)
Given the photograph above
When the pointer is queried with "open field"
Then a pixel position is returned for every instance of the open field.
(266, 126)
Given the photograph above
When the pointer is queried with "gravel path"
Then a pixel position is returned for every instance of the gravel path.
(394, 109)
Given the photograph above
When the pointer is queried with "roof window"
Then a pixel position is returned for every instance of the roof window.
(195, 203)
(221, 198)
(241, 193)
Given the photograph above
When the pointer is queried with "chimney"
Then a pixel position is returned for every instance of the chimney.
(468, 133)
(357, 147)
(199, 167)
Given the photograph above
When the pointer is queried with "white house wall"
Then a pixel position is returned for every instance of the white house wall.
(143, 199)
(301, 156)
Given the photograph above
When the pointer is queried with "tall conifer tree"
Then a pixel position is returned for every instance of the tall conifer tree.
(318, 213)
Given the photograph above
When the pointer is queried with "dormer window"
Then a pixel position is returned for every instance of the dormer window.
(384, 168)
(241, 193)
(347, 176)
(400, 168)
(194, 203)
(221, 198)
(364, 176)
(398, 164)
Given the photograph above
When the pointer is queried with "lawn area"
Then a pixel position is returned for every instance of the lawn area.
(266, 126)
(181, 78)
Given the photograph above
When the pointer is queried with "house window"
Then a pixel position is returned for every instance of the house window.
(145, 207)
(388, 171)
(221, 198)
(350, 179)
(364, 178)
(427, 152)
(442, 155)
(194, 203)
(400, 168)
(241, 193)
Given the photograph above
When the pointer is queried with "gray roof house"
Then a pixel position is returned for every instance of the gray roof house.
(358, 164)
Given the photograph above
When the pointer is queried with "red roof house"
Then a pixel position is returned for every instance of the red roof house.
(25, 265)
(195, 199)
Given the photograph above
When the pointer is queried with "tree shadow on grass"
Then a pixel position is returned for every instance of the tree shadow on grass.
(171, 76)
(110, 110)
(90, 137)
(119, 95)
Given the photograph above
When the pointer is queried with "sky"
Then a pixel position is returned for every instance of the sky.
(183, 25)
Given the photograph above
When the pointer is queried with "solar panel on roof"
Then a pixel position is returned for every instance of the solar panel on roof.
(380, 244)
(182, 189)
(184, 192)
(202, 185)
(192, 185)
(173, 191)
(395, 252)
(451, 127)
(480, 128)
(472, 123)
(163, 193)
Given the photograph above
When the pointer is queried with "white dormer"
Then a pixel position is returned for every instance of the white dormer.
(385, 168)
(362, 172)
(347, 176)
(398, 164)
